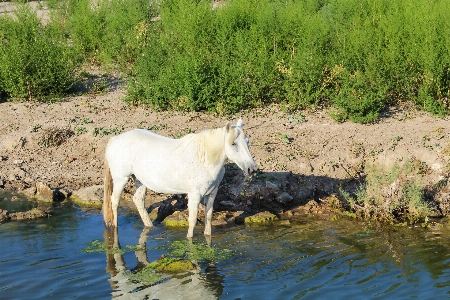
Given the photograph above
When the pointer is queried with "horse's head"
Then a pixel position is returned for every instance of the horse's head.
(236, 148)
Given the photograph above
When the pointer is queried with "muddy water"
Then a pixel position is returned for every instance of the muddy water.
(311, 259)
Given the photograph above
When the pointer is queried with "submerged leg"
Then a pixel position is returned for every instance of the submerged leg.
(119, 184)
(209, 201)
(139, 201)
(193, 203)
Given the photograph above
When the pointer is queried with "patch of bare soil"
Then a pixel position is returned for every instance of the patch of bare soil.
(303, 158)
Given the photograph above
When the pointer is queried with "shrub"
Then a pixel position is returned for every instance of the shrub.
(110, 32)
(356, 56)
(390, 196)
(35, 60)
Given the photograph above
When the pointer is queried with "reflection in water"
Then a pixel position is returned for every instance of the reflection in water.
(309, 259)
(189, 285)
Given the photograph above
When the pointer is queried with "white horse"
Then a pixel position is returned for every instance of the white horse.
(192, 165)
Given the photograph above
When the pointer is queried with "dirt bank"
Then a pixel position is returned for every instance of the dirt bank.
(303, 156)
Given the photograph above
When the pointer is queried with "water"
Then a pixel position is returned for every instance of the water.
(312, 259)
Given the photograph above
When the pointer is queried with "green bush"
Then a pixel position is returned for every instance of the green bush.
(35, 60)
(357, 57)
(353, 57)
(109, 32)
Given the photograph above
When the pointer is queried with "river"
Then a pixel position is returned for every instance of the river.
(307, 259)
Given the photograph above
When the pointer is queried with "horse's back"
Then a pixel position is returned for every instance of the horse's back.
(137, 144)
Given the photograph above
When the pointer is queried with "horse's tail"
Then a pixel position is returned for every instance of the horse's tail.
(108, 215)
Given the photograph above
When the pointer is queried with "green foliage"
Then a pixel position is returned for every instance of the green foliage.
(36, 62)
(109, 31)
(198, 251)
(390, 196)
(98, 131)
(355, 56)
(97, 246)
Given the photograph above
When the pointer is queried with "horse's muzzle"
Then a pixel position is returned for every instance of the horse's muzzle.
(251, 170)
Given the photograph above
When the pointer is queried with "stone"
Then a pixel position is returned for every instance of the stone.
(44, 192)
(177, 219)
(304, 194)
(284, 198)
(272, 186)
(161, 210)
(34, 213)
(175, 266)
(88, 196)
(261, 218)
(228, 204)
(219, 223)
(47, 194)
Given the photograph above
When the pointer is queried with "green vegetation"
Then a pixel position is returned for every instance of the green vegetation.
(97, 246)
(353, 57)
(36, 62)
(182, 256)
(390, 196)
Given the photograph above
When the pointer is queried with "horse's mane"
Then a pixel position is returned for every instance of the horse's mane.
(209, 143)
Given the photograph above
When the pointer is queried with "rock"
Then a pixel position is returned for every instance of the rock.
(65, 192)
(228, 204)
(4, 219)
(219, 223)
(35, 213)
(44, 191)
(284, 198)
(2, 183)
(239, 217)
(174, 266)
(31, 191)
(304, 194)
(443, 201)
(177, 219)
(88, 196)
(47, 194)
(261, 218)
(161, 210)
(18, 161)
(4, 216)
(272, 186)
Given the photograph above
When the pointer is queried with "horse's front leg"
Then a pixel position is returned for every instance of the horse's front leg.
(209, 201)
(139, 201)
(193, 203)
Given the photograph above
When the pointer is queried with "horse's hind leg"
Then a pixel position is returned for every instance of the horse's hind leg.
(119, 184)
(139, 201)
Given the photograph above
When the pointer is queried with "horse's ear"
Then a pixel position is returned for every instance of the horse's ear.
(228, 126)
(240, 123)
